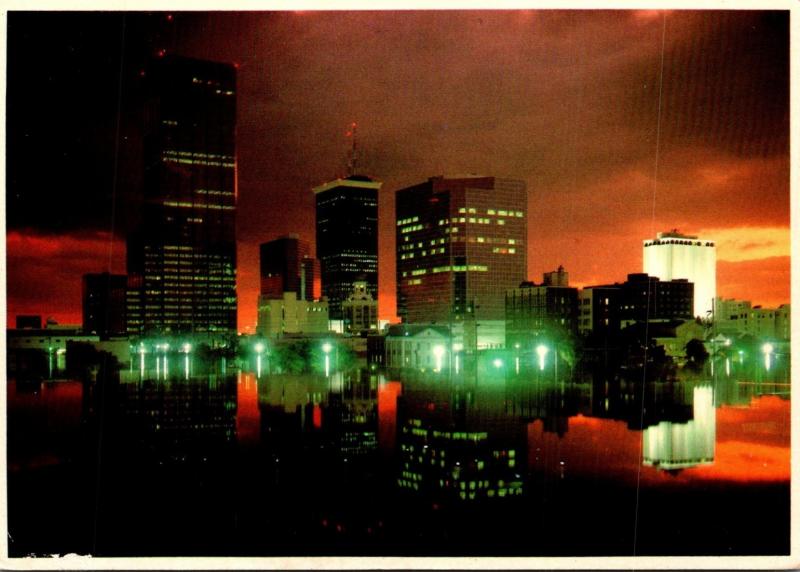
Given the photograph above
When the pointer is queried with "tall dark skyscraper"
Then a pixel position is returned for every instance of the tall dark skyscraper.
(287, 266)
(182, 256)
(347, 237)
(104, 303)
(461, 243)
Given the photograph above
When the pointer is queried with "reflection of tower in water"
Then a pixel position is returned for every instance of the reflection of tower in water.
(675, 446)
(454, 447)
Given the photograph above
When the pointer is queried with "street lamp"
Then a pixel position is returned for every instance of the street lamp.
(259, 347)
(187, 348)
(457, 347)
(767, 349)
(327, 347)
(541, 351)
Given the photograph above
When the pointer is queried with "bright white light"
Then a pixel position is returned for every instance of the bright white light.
(767, 349)
(187, 347)
(727, 342)
(326, 347)
(541, 351)
(259, 347)
(498, 363)
(438, 352)
(457, 347)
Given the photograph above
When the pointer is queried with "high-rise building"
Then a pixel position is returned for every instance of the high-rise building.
(347, 237)
(672, 255)
(104, 303)
(287, 266)
(182, 256)
(461, 243)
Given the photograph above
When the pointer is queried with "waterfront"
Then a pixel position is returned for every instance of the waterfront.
(228, 463)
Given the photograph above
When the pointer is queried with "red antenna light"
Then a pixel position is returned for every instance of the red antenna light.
(161, 53)
(169, 17)
(351, 163)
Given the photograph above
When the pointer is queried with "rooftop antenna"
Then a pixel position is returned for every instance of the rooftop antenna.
(351, 163)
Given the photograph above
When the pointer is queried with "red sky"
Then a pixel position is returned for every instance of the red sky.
(752, 444)
(566, 100)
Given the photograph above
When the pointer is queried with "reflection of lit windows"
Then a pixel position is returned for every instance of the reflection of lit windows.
(501, 222)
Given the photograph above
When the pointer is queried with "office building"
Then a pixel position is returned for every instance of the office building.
(290, 315)
(549, 309)
(360, 310)
(182, 255)
(599, 311)
(347, 237)
(604, 309)
(104, 304)
(738, 317)
(287, 266)
(672, 255)
(461, 243)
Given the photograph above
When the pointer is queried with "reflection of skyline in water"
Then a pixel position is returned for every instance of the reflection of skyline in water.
(333, 455)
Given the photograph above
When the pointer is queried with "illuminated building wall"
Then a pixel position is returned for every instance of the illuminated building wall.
(741, 317)
(287, 266)
(347, 237)
(288, 315)
(360, 309)
(461, 243)
(104, 303)
(182, 256)
(673, 255)
(415, 346)
(672, 446)
(533, 311)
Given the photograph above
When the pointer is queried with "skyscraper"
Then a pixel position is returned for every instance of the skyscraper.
(461, 243)
(287, 266)
(672, 255)
(347, 237)
(104, 303)
(182, 256)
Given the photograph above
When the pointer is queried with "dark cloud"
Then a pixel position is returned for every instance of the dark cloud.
(570, 101)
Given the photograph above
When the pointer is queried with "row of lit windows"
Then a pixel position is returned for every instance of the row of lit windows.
(409, 220)
(411, 228)
(184, 204)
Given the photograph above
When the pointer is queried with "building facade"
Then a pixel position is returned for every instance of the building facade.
(181, 258)
(461, 243)
(605, 309)
(287, 266)
(738, 317)
(360, 309)
(347, 237)
(549, 309)
(103, 298)
(288, 315)
(672, 255)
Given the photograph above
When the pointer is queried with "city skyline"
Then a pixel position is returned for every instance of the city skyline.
(574, 115)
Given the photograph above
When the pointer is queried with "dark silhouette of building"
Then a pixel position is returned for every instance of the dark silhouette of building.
(347, 237)
(460, 246)
(28, 322)
(547, 309)
(607, 308)
(287, 266)
(104, 304)
(182, 255)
